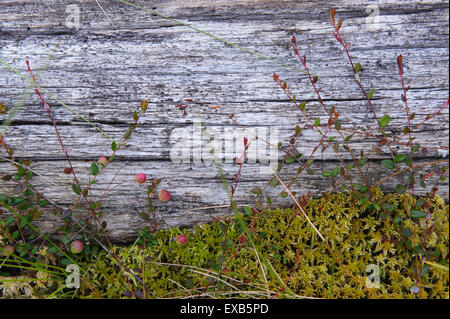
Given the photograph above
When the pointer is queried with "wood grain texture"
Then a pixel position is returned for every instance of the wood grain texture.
(104, 68)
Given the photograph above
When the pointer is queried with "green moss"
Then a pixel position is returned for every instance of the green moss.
(359, 235)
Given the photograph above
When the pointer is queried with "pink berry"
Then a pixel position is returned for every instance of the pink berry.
(8, 250)
(141, 178)
(76, 247)
(151, 195)
(164, 195)
(181, 239)
(102, 160)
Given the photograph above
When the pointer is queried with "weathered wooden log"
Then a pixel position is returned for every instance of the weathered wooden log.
(103, 66)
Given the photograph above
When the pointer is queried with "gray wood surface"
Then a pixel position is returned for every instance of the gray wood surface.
(103, 68)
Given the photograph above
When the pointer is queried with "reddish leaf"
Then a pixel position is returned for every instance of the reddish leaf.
(275, 77)
(330, 121)
(400, 64)
(339, 24)
(332, 14)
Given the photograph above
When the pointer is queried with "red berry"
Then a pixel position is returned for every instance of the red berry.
(164, 195)
(181, 239)
(141, 178)
(76, 247)
(102, 160)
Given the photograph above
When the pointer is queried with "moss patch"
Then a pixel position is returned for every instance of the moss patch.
(285, 257)
(289, 250)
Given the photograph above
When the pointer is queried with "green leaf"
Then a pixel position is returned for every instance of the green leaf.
(16, 200)
(76, 189)
(384, 121)
(289, 159)
(247, 211)
(407, 161)
(114, 145)
(317, 122)
(65, 239)
(9, 220)
(43, 203)
(370, 94)
(388, 207)
(66, 261)
(274, 181)
(420, 203)
(362, 200)
(400, 158)
(326, 174)
(418, 213)
(256, 191)
(406, 232)
(357, 67)
(29, 175)
(142, 232)
(284, 194)
(400, 188)
(349, 137)
(363, 189)
(389, 164)
(362, 161)
(337, 124)
(94, 169)
(335, 171)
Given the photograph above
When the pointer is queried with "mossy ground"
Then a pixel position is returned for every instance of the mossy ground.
(283, 248)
